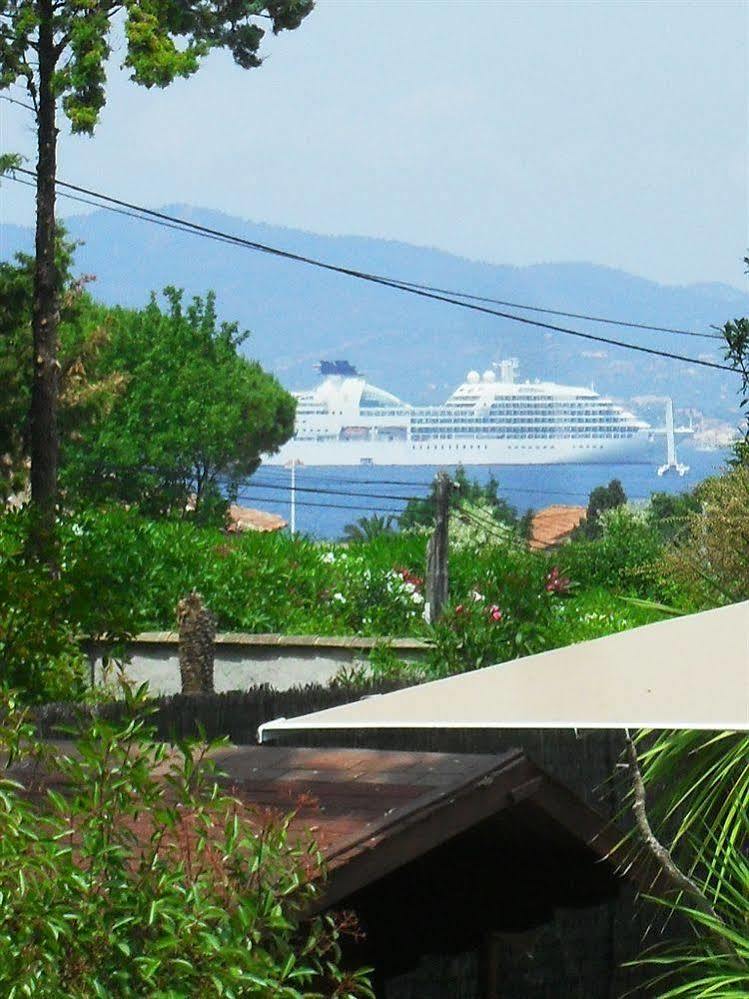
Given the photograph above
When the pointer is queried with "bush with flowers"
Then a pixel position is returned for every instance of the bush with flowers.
(371, 599)
(120, 573)
(503, 617)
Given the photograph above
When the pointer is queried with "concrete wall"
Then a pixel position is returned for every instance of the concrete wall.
(243, 661)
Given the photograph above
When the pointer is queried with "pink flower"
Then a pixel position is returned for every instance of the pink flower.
(410, 577)
(556, 582)
(460, 609)
(495, 613)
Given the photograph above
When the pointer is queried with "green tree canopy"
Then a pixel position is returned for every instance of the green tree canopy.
(79, 317)
(58, 50)
(369, 528)
(420, 512)
(736, 335)
(164, 39)
(602, 498)
(190, 414)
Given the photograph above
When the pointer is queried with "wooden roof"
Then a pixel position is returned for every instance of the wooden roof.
(552, 525)
(372, 811)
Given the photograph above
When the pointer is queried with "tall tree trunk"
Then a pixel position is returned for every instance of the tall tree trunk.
(46, 378)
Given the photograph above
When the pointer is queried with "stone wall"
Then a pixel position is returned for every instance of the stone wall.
(242, 660)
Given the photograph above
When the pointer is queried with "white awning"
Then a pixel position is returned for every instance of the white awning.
(688, 672)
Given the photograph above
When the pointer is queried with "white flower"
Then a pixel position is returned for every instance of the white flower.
(476, 596)
(339, 597)
(77, 530)
(329, 557)
(417, 598)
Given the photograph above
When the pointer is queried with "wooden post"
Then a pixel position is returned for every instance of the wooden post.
(197, 636)
(437, 583)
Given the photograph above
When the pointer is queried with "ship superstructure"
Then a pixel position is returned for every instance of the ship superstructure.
(491, 418)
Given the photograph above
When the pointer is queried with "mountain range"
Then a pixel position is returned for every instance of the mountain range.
(418, 348)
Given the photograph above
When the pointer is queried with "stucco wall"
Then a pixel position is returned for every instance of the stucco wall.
(242, 661)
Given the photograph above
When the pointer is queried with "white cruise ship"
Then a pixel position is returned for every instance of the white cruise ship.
(491, 419)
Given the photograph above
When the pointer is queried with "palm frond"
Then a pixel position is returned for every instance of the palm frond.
(699, 793)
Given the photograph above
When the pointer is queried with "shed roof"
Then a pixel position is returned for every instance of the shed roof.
(370, 811)
(687, 672)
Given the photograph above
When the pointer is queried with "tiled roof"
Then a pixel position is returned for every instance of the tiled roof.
(553, 524)
(243, 518)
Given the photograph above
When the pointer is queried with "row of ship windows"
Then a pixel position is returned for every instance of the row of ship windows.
(544, 404)
(554, 435)
(552, 411)
(511, 447)
(529, 397)
(534, 421)
(541, 400)
(420, 420)
(455, 441)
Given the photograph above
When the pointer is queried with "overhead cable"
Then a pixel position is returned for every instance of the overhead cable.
(321, 506)
(376, 279)
(331, 492)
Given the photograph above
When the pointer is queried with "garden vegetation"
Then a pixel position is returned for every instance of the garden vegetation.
(126, 870)
(121, 572)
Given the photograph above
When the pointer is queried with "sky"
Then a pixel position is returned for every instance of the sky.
(516, 133)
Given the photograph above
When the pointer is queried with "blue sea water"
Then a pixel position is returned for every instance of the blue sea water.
(329, 498)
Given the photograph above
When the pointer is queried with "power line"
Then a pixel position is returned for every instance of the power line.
(559, 312)
(186, 227)
(21, 104)
(492, 527)
(331, 492)
(364, 482)
(122, 211)
(284, 487)
(427, 484)
(320, 506)
(377, 279)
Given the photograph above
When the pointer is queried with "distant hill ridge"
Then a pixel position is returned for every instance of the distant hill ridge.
(414, 347)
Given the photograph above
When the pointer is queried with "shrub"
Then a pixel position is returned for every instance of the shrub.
(145, 879)
(709, 563)
(697, 801)
(500, 621)
(625, 559)
(39, 653)
(120, 573)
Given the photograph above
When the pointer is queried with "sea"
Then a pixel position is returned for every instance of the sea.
(329, 498)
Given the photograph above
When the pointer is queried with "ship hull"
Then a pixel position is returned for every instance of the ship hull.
(639, 449)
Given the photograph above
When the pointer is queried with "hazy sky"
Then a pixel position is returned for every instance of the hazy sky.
(510, 132)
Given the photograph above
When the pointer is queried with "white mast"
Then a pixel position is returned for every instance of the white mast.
(672, 465)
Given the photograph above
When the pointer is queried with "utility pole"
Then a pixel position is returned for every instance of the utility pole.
(437, 582)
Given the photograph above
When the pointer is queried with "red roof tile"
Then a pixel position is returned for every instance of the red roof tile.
(553, 524)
